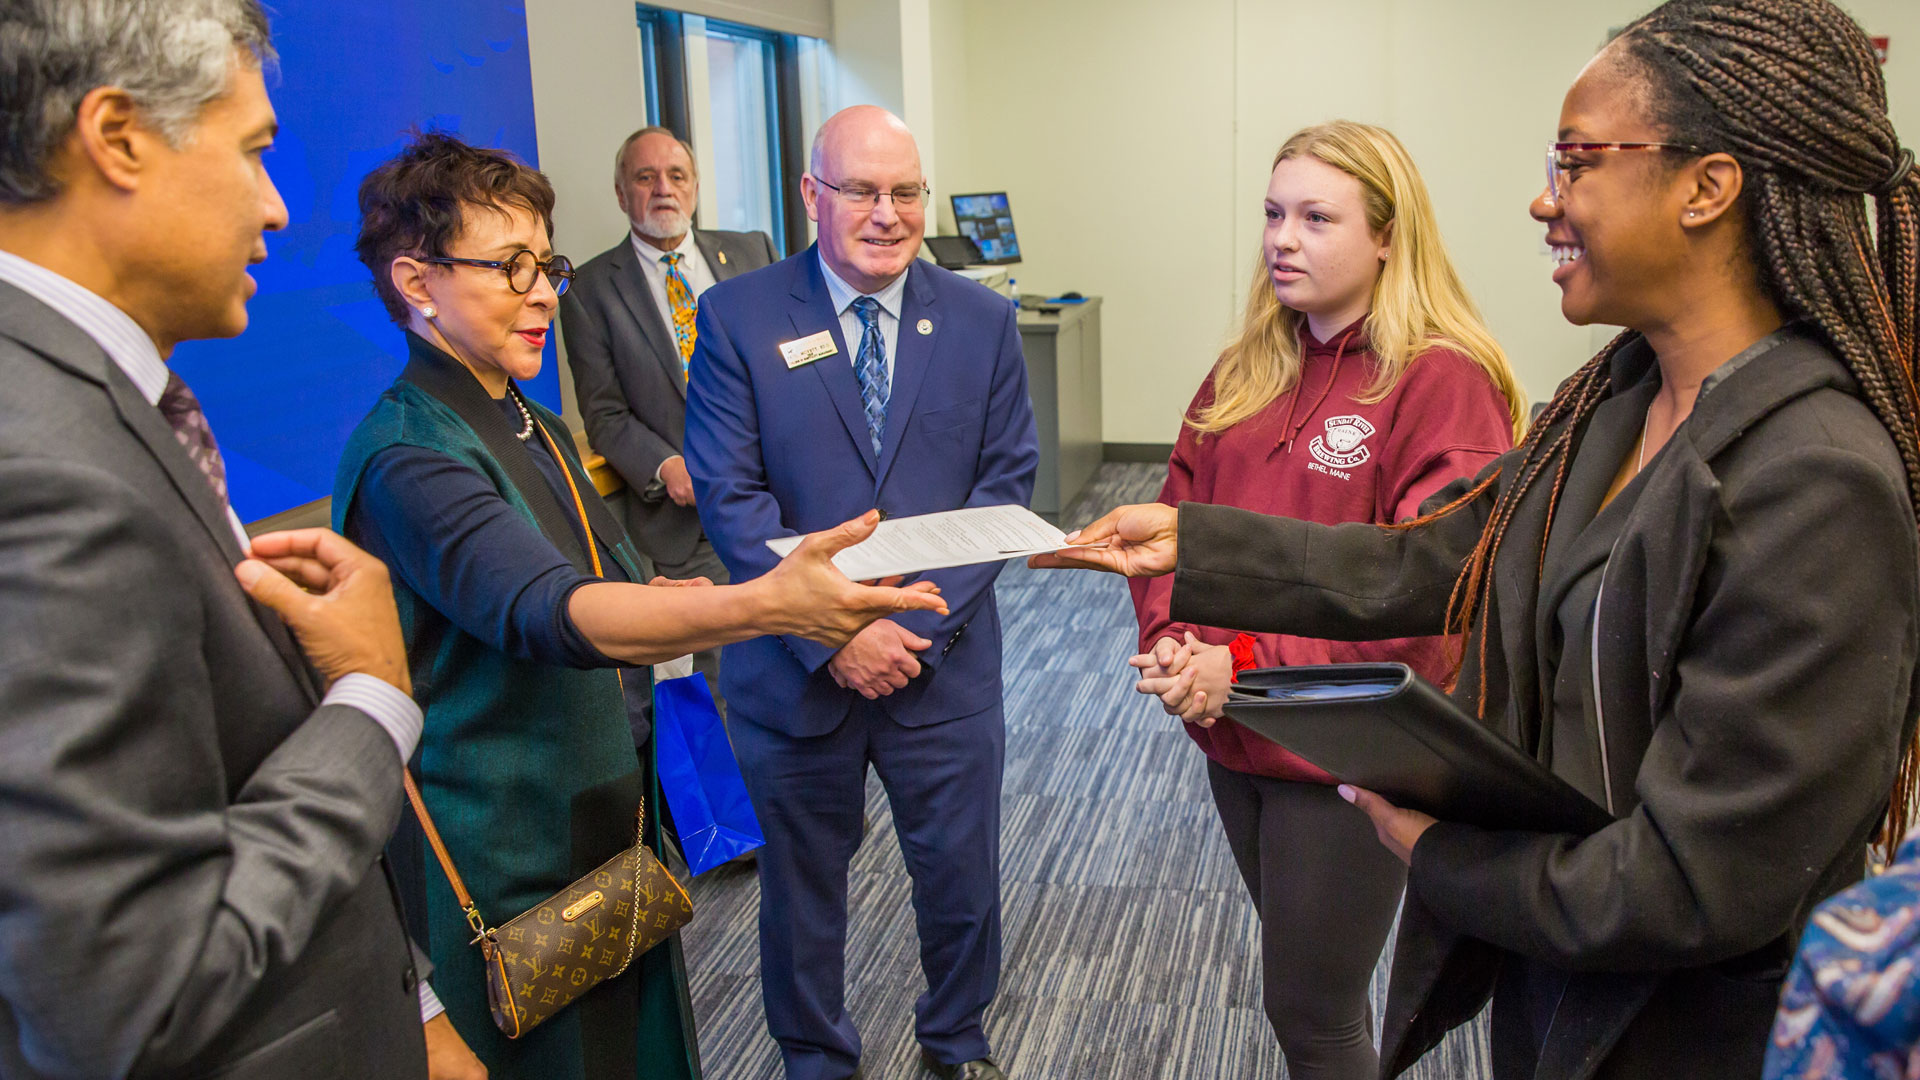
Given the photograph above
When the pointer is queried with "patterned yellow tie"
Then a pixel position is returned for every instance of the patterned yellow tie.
(680, 297)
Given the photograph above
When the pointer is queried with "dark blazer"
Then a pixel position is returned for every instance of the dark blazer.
(626, 373)
(188, 879)
(776, 451)
(1756, 643)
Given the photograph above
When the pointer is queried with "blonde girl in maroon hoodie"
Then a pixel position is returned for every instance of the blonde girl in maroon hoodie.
(1361, 381)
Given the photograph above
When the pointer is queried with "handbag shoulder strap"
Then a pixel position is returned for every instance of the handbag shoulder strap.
(440, 852)
(579, 508)
(593, 553)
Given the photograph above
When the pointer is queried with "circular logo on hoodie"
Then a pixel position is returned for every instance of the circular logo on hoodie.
(1342, 447)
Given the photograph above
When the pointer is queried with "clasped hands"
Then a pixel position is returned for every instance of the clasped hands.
(1192, 678)
(1189, 677)
(879, 660)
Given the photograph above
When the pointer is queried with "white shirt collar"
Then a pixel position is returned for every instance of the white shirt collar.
(114, 330)
(650, 254)
(844, 294)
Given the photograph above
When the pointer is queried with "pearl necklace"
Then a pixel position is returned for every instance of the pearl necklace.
(526, 431)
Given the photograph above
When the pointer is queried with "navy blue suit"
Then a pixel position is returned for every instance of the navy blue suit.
(776, 451)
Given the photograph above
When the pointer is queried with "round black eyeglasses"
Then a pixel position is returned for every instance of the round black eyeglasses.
(520, 269)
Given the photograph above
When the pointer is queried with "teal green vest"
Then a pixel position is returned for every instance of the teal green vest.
(529, 771)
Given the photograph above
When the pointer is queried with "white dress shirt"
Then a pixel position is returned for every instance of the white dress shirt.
(692, 264)
(852, 329)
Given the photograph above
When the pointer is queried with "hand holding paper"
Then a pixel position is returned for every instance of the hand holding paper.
(1133, 541)
(912, 545)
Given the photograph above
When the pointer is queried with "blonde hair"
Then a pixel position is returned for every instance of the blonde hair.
(1418, 301)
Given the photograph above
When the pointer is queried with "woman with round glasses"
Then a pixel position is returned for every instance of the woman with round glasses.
(518, 593)
(1692, 592)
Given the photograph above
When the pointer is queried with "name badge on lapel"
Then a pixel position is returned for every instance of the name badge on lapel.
(808, 349)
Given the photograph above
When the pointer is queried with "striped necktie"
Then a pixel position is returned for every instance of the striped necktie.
(680, 298)
(189, 423)
(870, 366)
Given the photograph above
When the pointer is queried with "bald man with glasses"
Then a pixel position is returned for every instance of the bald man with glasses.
(857, 375)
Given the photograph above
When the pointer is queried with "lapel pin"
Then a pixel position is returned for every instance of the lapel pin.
(925, 327)
(723, 258)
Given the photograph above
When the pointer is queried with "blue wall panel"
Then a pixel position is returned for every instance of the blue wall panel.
(354, 76)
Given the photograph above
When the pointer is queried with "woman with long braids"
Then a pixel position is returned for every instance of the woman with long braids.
(1693, 591)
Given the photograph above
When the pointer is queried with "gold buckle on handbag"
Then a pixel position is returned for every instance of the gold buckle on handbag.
(582, 905)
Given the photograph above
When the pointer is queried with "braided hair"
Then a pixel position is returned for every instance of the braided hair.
(1793, 91)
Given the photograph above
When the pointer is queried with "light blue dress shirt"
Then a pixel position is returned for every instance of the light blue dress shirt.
(889, 298)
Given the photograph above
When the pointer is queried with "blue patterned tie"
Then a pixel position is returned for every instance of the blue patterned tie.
(871, 369)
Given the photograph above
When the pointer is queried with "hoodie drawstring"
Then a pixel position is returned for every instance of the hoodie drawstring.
(1292, 432)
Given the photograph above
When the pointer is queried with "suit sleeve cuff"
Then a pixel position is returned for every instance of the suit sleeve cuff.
(430, 1006)
(394, 711)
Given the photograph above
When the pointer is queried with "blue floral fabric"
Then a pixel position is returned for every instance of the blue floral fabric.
(1851, 1007)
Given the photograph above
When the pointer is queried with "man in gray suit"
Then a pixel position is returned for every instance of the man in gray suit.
(190, 871)
(628, 325)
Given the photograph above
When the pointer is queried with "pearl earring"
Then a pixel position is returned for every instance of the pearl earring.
(430, 313)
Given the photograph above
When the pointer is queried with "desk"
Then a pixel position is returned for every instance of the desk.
(1063, 377)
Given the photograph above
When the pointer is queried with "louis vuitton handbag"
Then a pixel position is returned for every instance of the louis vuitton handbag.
(574, 940)
(586, 933)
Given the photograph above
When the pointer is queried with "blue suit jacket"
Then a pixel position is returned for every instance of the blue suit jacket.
(776, 451)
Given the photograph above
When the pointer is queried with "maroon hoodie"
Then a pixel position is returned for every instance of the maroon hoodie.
(1318, 453)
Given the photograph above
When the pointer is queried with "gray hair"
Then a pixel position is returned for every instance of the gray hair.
(172, 57)
(620, 156)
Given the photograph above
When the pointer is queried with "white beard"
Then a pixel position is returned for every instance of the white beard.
(663, 224)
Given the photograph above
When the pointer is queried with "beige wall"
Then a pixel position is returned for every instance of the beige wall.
(887, 54)
(1133, 138)
(586, 98)
(1110, 124)
(585, 56)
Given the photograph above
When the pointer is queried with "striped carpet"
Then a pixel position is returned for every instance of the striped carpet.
(1131, 947)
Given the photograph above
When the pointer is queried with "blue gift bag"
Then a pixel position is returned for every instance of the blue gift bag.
(698, 773)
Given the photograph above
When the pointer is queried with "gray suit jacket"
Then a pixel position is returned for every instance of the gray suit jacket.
(626, 371)
(188, 868)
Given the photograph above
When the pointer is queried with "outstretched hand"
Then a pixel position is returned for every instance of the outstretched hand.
(814, 600)
(1133, 541)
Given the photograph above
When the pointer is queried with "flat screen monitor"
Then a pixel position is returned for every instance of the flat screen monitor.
(988, 222)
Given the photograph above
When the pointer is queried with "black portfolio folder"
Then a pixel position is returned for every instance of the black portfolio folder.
(1384, 728)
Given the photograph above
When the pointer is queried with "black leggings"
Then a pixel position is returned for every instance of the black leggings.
(1327, 893)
